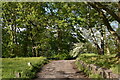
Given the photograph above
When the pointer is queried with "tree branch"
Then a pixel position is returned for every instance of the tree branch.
(105, 20)
(108, 11)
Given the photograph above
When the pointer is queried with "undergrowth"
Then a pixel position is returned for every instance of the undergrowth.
(104, 61)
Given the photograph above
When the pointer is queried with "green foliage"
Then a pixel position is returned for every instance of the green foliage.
(104, 61)
(116, 69)
(12, 66)
(85, 70)
(95, 76)
(46, 29)
(62, 56)
(79, 66)
(28, 25)
(88, 72)
(76, 51)
(80, 48)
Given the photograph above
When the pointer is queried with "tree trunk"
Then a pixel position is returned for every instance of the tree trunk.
(108, 51)
(25, 45)
(59, 40)
(105, 20)
(116, 17)
(102, 47)
(118, 45)
(36, 50)
(33, 52)
(12, 39)
(100, 51)
(33, 49)
(102, 41)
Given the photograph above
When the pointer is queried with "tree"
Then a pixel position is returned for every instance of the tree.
(44, 29)
(105, 20)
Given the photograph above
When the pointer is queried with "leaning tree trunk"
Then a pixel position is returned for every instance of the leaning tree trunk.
(105, 20)
(99, 49)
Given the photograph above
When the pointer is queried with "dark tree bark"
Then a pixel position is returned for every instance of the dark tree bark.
(105, 20)
(59, 40)
(12, 38)
(116, 17)
(102, 42)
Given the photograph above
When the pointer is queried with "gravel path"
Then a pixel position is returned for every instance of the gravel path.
(60, 69)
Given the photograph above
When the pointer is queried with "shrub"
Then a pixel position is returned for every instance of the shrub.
(104, 61)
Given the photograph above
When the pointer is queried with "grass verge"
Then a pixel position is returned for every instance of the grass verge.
(18, 67)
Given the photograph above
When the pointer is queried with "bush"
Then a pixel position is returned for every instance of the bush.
(88, 72)
(104, 61)
(60, 56)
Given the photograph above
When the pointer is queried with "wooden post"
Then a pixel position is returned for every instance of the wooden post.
(17, 74)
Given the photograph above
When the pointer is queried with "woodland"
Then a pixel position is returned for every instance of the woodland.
(55, 30)
(34, 33)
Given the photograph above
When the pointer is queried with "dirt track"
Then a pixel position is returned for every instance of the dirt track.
(60, 69)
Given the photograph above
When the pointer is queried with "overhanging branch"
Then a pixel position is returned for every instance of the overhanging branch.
(108, 11)
(105, 20)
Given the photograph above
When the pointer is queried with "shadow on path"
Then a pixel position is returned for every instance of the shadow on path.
(60, 70)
